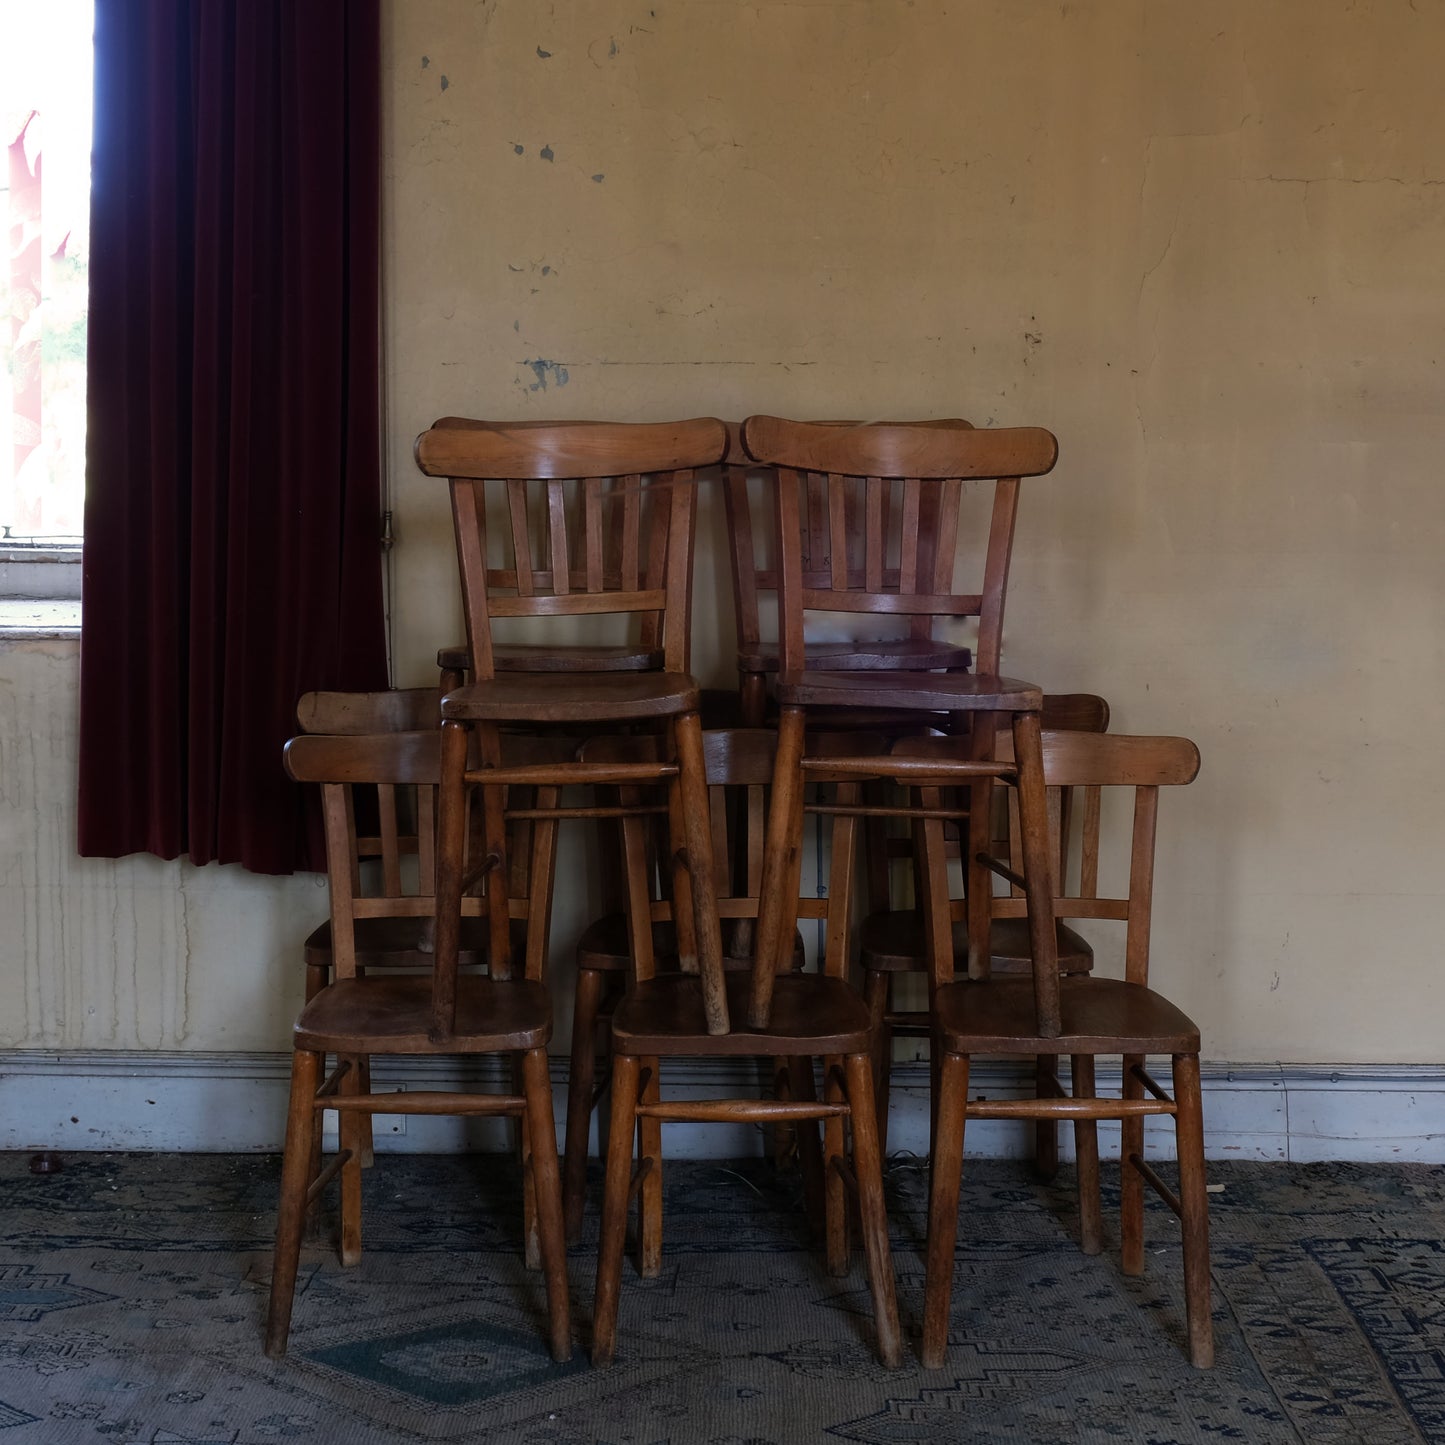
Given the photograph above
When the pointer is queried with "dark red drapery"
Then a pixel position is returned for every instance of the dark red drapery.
(232, 523)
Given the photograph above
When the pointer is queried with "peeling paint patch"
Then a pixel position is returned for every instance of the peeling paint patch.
(612, 50)
(599, 177)
(546, 153)
(445, 82)
(543, 54)
(546, 372)
(518, 149)
(546, 270)
(425, 61)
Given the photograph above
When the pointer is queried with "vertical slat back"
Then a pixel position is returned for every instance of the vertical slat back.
(343, 872)
(875, 534)
(389, 840)
(521, 534)
(838, 532)
(592, 535)
(614, 502)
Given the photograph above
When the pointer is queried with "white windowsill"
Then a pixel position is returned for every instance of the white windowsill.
(31, 618)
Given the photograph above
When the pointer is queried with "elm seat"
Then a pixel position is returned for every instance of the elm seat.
(997, 1016)
(392, 1015)
(664, 1015)
(570, 698)
(912, 654)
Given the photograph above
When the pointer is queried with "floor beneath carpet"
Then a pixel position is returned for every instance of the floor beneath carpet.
(132, 1292)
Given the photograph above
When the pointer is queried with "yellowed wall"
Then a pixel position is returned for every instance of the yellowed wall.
(1203, 242)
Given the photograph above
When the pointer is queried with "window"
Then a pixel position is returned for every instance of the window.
(45, 120)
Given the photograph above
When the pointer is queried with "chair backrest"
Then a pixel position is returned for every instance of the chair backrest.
(1095, 761)
(739, 767)
(750, 538)
(396, 772)
(404, 761)
(598, 519)
(838, 468)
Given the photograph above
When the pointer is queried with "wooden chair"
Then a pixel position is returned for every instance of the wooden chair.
(813, 1015)
(739, 765)
(642, 654)
(869, 512)
(443, 1012)
(1095, 1015)
(892, 941)
(388, 942)
(925, 461)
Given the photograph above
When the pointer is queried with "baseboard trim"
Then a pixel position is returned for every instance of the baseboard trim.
(211, 1102)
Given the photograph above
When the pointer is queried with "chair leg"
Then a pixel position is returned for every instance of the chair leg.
(753, 699)
(296, 1176)
(1046, 1131)
(1131, 1182)
(835, 1203)
(613, 1240)
(522, 1148)
(649, 1198)
(784, 1140)
(542, 1137)
(1086, 1153)
(1194, 1208)
(351, 1134)
(873, 1218)
(876, 991)
(365, 1121)
(943, 1207)
(810, 1156)
(581, 1082)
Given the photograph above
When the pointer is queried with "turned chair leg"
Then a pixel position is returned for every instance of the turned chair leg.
(872, 1216)
(581, 1085)
(649, 1157)
(1086, 1153)
(1193, 1208)
(1046, 1131)
(1131, 1182)
(943, 1207)
(541, 1129)
(613, 1241)
(810, 1155)
(835, 1203)
(296, 1177)
(522, 1147)
(752, 699)
(877, 990)
(352, 1129)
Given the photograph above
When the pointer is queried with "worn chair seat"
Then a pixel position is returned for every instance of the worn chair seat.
(892, 941)
(402, 942)
(392, 1015)
(560, 698)
(907, 654)
(518, 657)
(604, 945)
(812, 1014)
(1100, 1016)
(927, 691)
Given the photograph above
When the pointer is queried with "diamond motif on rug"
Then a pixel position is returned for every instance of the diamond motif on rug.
(451, 1364)
(26, 1296)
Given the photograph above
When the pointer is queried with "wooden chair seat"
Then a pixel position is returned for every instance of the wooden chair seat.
(518, 657)
(1100, 1016)
(812, 1014)
(893, 942)
(407, 942)
(392, 1015)
(908, 654)
(605, 945)
(562, 698)
(929, 691)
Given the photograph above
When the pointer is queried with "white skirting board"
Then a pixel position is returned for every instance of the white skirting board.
(210, 1102)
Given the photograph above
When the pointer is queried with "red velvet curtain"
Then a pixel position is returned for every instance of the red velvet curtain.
(232, 524)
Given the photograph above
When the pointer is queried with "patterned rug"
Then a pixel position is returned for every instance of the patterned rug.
(132, 1291)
